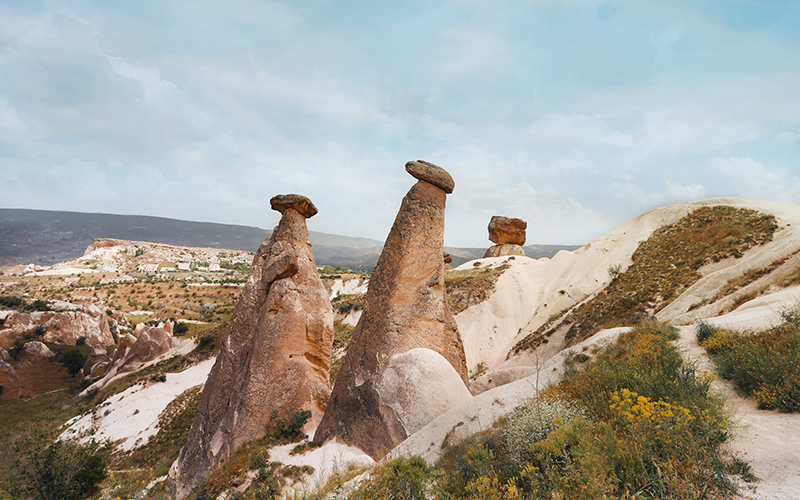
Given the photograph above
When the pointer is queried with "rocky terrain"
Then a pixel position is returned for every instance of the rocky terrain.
(520, 322)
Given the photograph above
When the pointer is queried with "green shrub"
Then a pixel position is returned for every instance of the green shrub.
(73, 359)
(290, 426)
(764, 365)
(80, 340)
(400, 478)
(49, 469)
(534, 421)
(180, 329)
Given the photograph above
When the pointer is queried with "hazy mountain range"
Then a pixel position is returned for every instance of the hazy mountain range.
(46, 237)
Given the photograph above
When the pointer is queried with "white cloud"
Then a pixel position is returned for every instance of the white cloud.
(578, 130)
(697, 131)
(12, 129)
(471, 52)
(787, 137)
(752, 179)
(156, 89)
(672, 193)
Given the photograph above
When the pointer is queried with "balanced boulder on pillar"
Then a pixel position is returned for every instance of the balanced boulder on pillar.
(382, 384)
(509, 236)
(274, 357)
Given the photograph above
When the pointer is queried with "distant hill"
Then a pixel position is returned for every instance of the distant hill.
(47, 237)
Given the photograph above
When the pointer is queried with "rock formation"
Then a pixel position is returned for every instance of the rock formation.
(61, 327)
(9, 382)
(146, 344)
(378, 391)
(274, 356)
(509, 236)
(38, 349)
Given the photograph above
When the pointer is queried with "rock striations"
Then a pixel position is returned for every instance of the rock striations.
(382, 384)
(509, 236)
(274, 356)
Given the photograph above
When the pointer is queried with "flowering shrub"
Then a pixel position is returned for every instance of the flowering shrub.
(764, 365)
(535, 421)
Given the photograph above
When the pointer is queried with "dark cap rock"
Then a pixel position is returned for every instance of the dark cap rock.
(296, 201)
(434, 174)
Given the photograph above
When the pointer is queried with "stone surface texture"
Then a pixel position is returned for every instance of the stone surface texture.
(148, 343)
(431, 173)
(503, 250)
(62, 327)
(274, 356)
(296, 201)
(38, 349)
(405, 309)
(505, 230)
(419, 385)
(12, 388)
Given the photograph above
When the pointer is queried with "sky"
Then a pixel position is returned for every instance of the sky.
(572, 115)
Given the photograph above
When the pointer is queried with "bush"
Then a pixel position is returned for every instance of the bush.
(80, 341)
(11, 301)
(764, 365)
(180, 328)
(290, 426)
(73, 359)
(534, 421)
(400, 478)
(49, 469)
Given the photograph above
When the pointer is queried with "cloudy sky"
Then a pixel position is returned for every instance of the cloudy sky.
(573, 115)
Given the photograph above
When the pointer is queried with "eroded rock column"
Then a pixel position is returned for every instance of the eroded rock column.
(380, 389)
(275, 355)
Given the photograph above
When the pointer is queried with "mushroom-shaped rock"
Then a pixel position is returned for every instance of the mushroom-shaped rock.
(405, 309)
(9, 381)
(274, 356)
(434, 174)
(297, 202)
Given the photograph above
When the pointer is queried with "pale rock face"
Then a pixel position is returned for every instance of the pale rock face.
(12, 388)
(62, 327)
(99, 356)
(504, 250)
(418, 386)
(133, 352)
(405, 309)
(38, 349)
(275, 355)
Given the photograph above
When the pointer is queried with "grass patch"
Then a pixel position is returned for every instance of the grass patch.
(764, 365)
(470, 286)
(668, 263)
(345, 304)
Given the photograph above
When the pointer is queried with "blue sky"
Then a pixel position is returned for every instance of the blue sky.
(573, 115)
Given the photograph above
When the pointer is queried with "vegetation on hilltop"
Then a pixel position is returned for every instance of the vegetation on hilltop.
(664, 265)
(471, 286)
